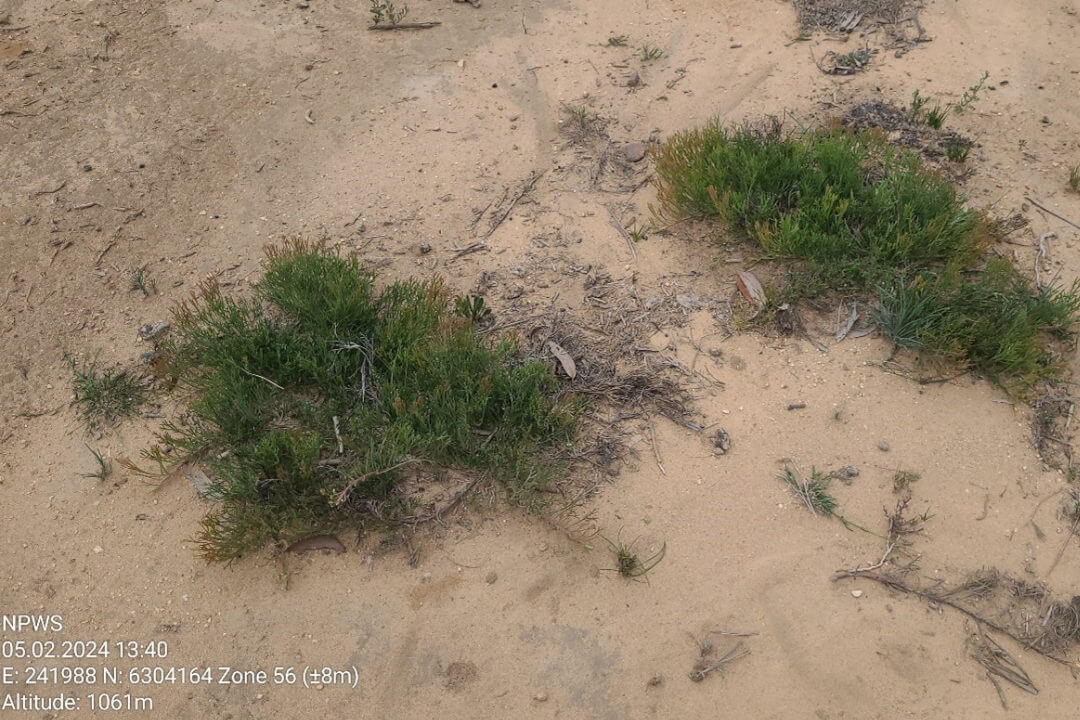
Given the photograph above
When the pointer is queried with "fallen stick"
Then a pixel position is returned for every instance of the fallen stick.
(529, 185)
(407, 26)
(622, 231)
(1048, 210)
(904, 587)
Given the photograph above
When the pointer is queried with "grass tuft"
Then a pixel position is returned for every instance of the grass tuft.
(104, 466)
(310, 401)
(849, 213)
(103, 397)
(627, 562)
(813, 490)
(618, 41)
(1074, 178)
(648, 52)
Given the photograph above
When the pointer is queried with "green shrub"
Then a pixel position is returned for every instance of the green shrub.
(320, 357)
(847, 212)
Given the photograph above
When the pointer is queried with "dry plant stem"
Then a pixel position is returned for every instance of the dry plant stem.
(1065, 544)
(344, 494)
(407, 26)
(1048, 210)
(529, 185)
(904, 587)
(622, 231)
(655, 448)
(998, 661)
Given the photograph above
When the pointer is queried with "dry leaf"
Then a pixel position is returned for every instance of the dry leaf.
(564, 359)
(751, 288)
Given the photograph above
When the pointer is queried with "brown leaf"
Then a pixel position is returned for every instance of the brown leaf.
(751, 289)
(564, 359)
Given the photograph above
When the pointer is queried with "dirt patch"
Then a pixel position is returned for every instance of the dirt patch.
(460, 675)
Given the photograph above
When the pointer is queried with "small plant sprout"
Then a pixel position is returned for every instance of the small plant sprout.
(618, 41)
(648, 52)
(627, 562)
(638, 232)
(472, 308)
(916, 106)
(104, 466)
(957, 149)
(141, 281)
(105, 396)
(936, 116)
(384, 12)
(813, 490)
(1074, 178)
(971, 95)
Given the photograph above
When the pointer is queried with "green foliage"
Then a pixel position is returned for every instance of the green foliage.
(851, 211)
(141, 281)
(104, 466)
(992, 321)
(308, 400)
(1074, 178)
(627, 562)
(971, 95)
(472, 308)
(915, 108)
(957, 149)
(649, 53)
(935, 117)
(852, 214)
(103, 397)
(813, 491)
(385, 12)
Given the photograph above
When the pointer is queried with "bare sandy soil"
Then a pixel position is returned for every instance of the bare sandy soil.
(174, 135)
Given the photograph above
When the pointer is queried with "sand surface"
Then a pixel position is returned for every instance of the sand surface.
(174, 135)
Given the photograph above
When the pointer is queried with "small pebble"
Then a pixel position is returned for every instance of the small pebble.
(540, 697)
(635, 152)
(856, 593)
(425, 248)
(883, 446)
(491, 577)
(656, 681)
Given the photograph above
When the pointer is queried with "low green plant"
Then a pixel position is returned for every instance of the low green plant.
(384, 12)
(627, 562)
(915, 107)
(851, 211)
(104, 466)
(1074, 178)
(846, 212)
(992, 321)
(935, 117)
(648, 52)
(472, 307)
(957, 149)
(310, 401)
(812, 490)
(141, 281)
(104, 396)
(618, 41)
(971, 95)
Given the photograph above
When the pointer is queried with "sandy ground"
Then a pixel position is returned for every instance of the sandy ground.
(184, 124)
